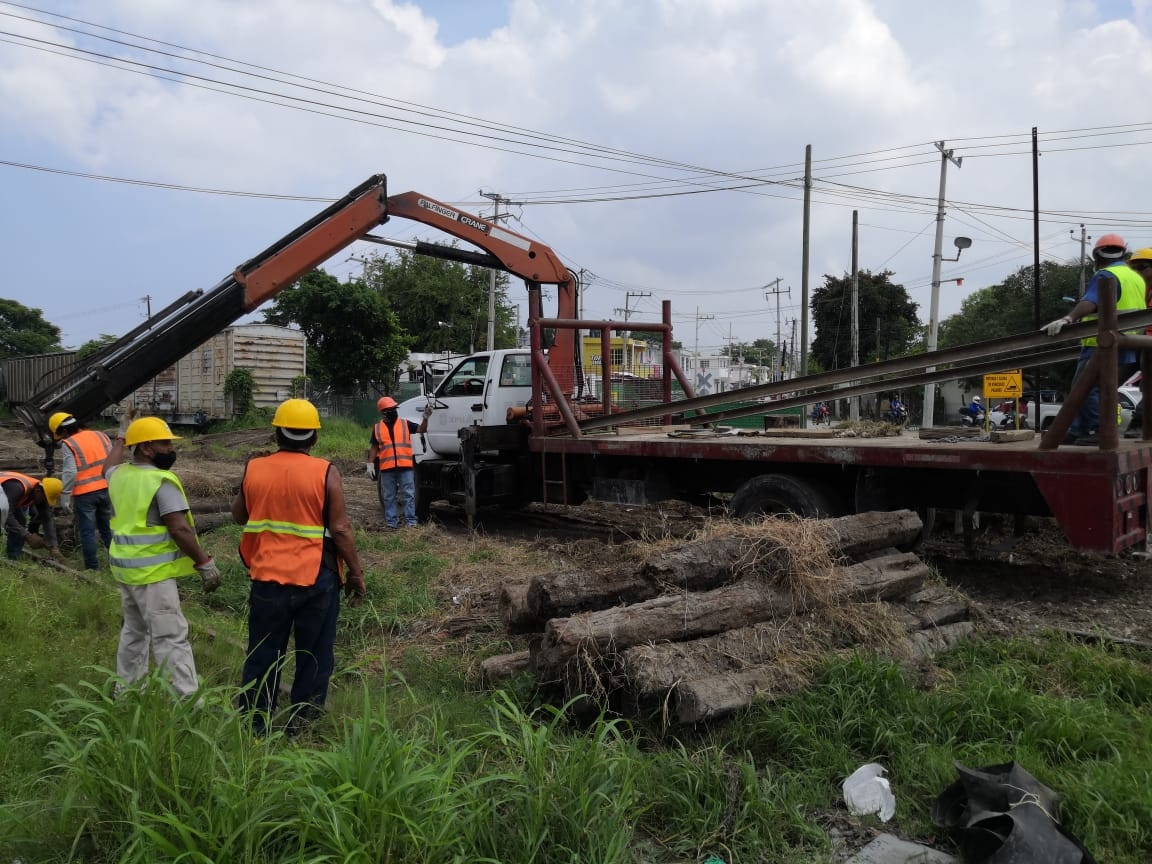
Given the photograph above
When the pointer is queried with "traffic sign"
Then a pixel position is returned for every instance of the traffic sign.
(1004, 385)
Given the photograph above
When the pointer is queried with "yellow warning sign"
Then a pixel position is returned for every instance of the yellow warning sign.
(1004, 385)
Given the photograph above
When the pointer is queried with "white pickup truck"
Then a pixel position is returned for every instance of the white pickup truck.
(479, 390)
(1128, 397)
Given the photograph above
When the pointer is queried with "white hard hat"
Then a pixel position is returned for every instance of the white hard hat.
(975, 398)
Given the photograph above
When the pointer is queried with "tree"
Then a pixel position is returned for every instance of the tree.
(760, 351)
(442, 304)
(24, 331)
(352, 335)
(1009, 308)
(889, 324)
(93, 345)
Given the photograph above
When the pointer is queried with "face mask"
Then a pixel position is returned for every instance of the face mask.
(164, 461)
(390, 415)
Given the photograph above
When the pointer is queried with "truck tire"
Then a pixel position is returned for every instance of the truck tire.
(769, 494)
(423, 497)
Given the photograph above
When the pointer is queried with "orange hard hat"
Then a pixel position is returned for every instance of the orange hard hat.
(1110, 246)
(385, 403)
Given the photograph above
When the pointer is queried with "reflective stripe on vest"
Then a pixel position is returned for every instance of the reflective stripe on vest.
(29, 484)
(284, 494)
(395, 450)
(1131, 297)
(140, 553)
(89, 451)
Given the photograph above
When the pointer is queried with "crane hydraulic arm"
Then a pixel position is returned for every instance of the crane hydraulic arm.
(115, 371)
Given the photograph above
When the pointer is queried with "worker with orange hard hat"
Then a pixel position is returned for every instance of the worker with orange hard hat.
(392, 463)
(1112, 274)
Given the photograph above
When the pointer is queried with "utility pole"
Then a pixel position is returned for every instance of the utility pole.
(804, 270)
(626, 337)
(792, 353)
(1084, 238)
(854, 404)
(777, 290)
(934, 311)
(497, 200)
(696, 346)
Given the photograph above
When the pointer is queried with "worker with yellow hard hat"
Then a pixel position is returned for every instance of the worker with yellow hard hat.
(296, 543)
(85, 489)
(153, 545)
(26, 497)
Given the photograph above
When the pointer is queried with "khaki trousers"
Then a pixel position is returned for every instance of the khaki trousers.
(152, 617)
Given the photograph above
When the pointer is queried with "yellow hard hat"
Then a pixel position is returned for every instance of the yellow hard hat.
(148, 429)
(297, 414)
(1144, 254)
(52, 488)
(57, 420)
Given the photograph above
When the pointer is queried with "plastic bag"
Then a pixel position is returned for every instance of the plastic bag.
(867, 791)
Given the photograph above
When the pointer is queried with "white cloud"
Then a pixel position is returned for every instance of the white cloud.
(734, 85)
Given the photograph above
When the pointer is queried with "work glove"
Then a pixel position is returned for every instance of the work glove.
(65, 503)
(35, 541)
(55, 552)
(126, 418)
(370, 470)
(210, 577)
(354, 589)
(428, 409)
(1053, 328)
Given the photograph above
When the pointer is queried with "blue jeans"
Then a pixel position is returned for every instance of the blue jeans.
(398, 487)
(15, 545)
(93, 512)
(275, 612)
(1087, 420)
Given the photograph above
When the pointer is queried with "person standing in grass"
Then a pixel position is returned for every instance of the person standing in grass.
(296, 536)
(391, 462)
(85, 489)
(153, 545)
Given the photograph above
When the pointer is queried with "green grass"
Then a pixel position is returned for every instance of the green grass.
(339, 438)
(414, 764)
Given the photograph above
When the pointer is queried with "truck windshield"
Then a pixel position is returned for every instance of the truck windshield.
(467, 379)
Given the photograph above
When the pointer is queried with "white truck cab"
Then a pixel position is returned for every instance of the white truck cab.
(479, 390)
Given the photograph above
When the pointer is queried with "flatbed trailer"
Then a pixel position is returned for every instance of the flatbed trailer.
(1099, 498)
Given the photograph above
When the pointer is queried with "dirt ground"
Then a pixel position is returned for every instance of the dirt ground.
(1018, 584)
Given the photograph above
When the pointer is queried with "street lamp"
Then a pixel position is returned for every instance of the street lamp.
(961, 243)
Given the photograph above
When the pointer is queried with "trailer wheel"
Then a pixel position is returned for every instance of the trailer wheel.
(772, 494)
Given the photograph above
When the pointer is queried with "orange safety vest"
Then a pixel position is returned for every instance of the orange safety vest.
(395, 450)
(89, 450)
(29, 484)
(286, 500)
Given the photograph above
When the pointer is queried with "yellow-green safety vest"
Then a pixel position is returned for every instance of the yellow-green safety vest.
(140, 553)
(1131, 297)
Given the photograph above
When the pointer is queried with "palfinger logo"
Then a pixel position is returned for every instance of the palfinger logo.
(454, 215)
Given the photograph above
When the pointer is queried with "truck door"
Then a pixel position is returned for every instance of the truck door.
(480, 389)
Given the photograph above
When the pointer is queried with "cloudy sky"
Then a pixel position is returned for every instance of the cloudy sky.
(656, 144)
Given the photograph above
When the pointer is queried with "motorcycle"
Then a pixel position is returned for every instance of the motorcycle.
(972, 418)
(820, 414)
(897, 415)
